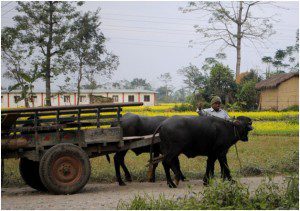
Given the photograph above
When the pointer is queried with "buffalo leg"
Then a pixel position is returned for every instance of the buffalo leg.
(176, 170)
(152, 177)
(225, 172)
(168, 176)
(122, 162)
(118, 160)
(210, 166)
(182, 177)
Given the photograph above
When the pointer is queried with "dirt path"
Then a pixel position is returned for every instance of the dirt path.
(102, 196)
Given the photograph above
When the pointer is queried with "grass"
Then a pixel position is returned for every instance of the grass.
(225, 195)
(268, 154)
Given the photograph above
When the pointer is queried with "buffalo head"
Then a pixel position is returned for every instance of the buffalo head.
(244, 125)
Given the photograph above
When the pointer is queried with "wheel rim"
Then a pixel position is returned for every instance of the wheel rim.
(67, 170)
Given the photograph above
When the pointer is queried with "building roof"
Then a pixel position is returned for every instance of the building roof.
(275, 80)
(87, 91)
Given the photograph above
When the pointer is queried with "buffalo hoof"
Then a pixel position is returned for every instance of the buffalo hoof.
(151, 180)
(171, 185)
(128, 179)
(183, 178)
(205, 182)
(122, 183)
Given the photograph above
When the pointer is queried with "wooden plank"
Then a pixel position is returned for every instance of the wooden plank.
(9, 120)
(101, 135)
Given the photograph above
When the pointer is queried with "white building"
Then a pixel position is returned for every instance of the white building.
(11, 99)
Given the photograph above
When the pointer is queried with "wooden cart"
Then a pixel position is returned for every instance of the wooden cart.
(54, 144)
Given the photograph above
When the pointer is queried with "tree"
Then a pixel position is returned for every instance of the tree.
(166, 79)
(247, 96)
(45, 25)
(231, 23)
(180, 95)
(140, 83)
(287, 59)
(193, 78)
(20, 66)
(221, 83)
(88, 55)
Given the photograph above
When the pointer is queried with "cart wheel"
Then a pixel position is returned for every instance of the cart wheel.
(29, 171)
(65, 169)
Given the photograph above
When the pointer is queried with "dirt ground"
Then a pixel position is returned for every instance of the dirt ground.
(102, 195)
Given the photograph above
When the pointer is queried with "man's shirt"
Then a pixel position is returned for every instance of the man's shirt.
(211, 112)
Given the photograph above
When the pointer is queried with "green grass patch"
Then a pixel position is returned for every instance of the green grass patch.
(227, 196)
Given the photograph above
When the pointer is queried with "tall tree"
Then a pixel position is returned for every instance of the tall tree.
(20, 65)
(88, 54)
(221, 83)
(45, 25)
(193, 78)
(166, 79)
(140, 83)
(283, 60)
(230, 23)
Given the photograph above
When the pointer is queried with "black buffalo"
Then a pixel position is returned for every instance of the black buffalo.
(200, 135)
(135, 125)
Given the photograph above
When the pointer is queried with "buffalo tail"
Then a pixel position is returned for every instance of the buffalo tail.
(107, 158)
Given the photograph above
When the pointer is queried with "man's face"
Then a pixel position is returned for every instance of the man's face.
(216, 106)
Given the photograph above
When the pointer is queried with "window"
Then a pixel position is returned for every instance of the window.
(17, 98)
(115, 98)
(146, 98)
(82, 98)
(67, 98)
(130, 98)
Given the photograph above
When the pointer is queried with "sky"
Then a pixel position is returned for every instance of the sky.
(151, 38)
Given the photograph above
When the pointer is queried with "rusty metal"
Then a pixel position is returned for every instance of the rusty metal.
(66, 170)
(12, 144)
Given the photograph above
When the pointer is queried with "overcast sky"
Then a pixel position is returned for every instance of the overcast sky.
(152, 38)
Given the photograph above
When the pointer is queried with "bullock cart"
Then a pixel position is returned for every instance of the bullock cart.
(54, 144)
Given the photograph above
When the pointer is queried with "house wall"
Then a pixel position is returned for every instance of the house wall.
(268, 99)
(58, 99)
(288, 93)
(281, 97)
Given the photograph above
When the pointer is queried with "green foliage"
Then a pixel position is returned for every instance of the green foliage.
(221, 82)
(44, 26)
(193, 78)
(248, 96)
(292, 108)
(226, 195)
(183, 107)
(86, 53)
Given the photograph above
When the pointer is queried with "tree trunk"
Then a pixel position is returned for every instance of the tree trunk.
(79, 82)
(239, 41)
(48, 57)
(26, 102)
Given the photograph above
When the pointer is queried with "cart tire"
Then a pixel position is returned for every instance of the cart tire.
(65, 169)
(29, 171)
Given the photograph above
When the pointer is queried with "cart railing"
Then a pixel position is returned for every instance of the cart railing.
(59, 117)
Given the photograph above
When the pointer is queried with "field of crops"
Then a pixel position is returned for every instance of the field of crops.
(264, 122)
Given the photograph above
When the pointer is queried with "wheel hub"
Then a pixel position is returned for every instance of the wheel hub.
(67, 170)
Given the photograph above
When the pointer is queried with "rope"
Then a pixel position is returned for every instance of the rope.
(237, 155)
(236, 133)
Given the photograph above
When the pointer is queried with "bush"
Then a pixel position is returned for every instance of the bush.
(183, 107)
(292, 108)
(226, 195)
